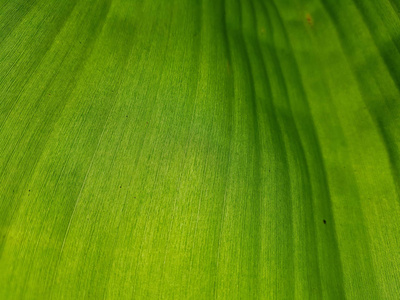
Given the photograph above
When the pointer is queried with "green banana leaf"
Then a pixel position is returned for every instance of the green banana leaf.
(199, 149)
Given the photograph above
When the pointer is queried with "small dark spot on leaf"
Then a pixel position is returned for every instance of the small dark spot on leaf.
(120, 186)
(310, 20)
(324, 221)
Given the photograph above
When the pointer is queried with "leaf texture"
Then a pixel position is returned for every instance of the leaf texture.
(197, 149)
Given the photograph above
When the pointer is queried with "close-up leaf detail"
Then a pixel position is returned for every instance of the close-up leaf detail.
(199, 149)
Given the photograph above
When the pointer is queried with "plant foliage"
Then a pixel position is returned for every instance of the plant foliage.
(198, 149)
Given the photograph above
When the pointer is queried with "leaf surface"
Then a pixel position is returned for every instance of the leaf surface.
(199, 149)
